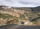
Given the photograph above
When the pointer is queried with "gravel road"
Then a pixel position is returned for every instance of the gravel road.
(15, 26)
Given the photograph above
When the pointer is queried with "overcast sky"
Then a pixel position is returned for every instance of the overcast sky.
(20, 3)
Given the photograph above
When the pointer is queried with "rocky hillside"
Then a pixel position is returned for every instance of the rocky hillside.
(7, 19)
(22, 13)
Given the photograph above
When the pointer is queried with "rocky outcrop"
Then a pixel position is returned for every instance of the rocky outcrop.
(7, 21)
(11, 13)
(19, 11)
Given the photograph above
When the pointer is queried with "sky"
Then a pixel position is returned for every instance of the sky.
(20, 3)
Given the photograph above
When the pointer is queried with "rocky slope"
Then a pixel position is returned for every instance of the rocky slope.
(11, 15)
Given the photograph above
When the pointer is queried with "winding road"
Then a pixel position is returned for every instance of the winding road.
(15, 26)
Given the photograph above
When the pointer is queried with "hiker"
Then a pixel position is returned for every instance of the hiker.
(22, 22)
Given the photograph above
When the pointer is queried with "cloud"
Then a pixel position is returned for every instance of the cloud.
(30, 1)
(20, 3)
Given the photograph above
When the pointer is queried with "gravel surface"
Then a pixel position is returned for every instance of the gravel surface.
(15, 26)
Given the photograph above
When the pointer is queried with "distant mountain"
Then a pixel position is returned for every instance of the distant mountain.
(36, 9)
